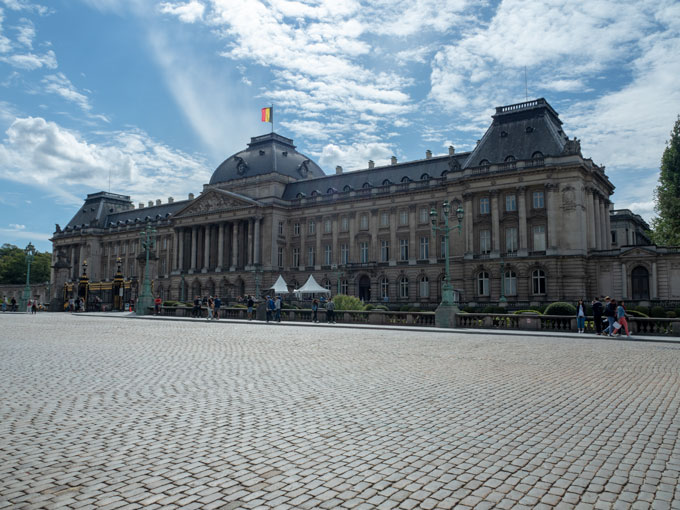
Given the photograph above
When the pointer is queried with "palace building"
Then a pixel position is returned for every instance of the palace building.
(538, 226)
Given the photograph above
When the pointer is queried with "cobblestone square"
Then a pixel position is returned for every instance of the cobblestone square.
(121, 414)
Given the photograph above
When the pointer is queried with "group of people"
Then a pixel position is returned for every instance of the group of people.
(614, 313)
(8, 304)
(212, 304)
(32, 306)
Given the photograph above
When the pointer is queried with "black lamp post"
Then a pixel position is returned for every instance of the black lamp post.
(145, 300)
(30, 253)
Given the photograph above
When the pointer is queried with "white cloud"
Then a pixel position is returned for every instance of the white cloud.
(26, 33)
(60, 161)
(189, 12)
(31, 61)
(59, 84)
(355, 156)
(15, 226)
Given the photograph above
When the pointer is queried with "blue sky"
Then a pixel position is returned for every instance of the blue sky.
(152, 96)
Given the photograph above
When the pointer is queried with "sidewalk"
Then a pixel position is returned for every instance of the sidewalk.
(475, 331)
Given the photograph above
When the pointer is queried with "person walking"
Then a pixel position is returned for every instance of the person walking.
(269, 307)
(34, 307)
(218, 305)
(196, 312)
(330, 311)
(610, 314)
(250, 304)
(4, 304)
(621, 319)
(315, 310)
(580, 316)
(597, 315)
(211, 307)
(277, 307)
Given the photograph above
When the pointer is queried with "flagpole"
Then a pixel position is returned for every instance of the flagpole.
(272, 117)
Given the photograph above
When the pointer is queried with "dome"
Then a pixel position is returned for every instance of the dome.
(257, 160)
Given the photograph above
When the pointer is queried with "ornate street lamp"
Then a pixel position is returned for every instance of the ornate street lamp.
(257, 270)
(30, 253)
(145, 299)
(445, 314)
(181, 288)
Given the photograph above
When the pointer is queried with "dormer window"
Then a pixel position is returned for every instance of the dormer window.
(510, 158)
(405, 179)
(347, 188)
(425, 177)
(537, 155)
(285, 154)
(366, 185)
(484, 162)
(504, 134)
(386, 182)
(529, 129)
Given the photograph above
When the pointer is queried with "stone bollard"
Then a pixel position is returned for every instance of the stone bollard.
(530, 322)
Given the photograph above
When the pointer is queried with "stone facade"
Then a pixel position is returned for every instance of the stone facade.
(536, 225)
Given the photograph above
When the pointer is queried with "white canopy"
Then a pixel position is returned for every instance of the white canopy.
(280, 286)
(311, 287)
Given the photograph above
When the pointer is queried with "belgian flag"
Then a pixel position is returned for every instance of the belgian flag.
(268, 114)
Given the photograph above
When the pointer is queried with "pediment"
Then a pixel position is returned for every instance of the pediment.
(638, 252)
(217, 200)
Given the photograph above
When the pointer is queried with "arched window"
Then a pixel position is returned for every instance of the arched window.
(384, 288)
(315, 193)
(326, 284)
(403, 287)
(443, 174)
(484, 162)
(424, 287)
(367, 185)
(330, 191)
(347, 188)
(537, 155)
(386, 182)
(510, 158)
(425, 177)
(510, 283)
(405, 179)
(483, 284)
(300, 195)
(538, 281)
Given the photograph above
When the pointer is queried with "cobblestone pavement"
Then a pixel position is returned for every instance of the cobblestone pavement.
(114, 413)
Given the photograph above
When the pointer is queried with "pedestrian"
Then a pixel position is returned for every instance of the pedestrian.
(315, 310)
(34, 307)
(277, 307)
(621, 319)
(14, 304)
(29, 305)
(4, 304)
(218, 305)
(580, 316)
(250, 304)
(610, 314)
(330, 311)
(210, 303)
(597, 315)
(269, 306)
(196, 312)
(157, 305)
(82, 305)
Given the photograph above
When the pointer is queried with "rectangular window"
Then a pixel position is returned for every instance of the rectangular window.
(424, 215)
(403, 249)
(403, 217)
(424, 248)
(510, 203)
(613, 236)
(538, 200)
(484, 205)
(123, 247)
(327, 226)
(344, 254)
(311, 259)
(539, 238)
(280, 228)
(311, 228)
(296, 229)
(484, 241)
(162, 271)
(511, 239)
(384, 219)
(384, 250)
(279, 256)
(344, 224)
(363, 251)
(165, 243)
(296, 257)
(327, 255)
(363, 222)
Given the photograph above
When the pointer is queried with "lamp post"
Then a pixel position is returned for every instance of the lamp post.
(445, 313)
(145, 299)
(257, 270)
(30, 253)
(502, 301)
(181, 288)
(338, 274)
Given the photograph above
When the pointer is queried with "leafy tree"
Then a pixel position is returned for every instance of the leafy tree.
(13, 265)
(666, 227)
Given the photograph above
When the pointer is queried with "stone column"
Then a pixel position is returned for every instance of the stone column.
(175, 250)
(373, 229)
(468, 222)
(607, 225)
(624, 281)
(234, 246)
(335, 255)
(168, 258)
(220, 247)
(413, 247)
(654, 293)
(590, 219)
(303, 247)
(495, 226)
(394, 248)
(603, 224)
(258, 242)
(194, 248)
(522, 248)
(552, 211)
(352, 236)
(250, 242)
(206, 248)
(73, 262)
(597, 226)
(434, 245)
(318, 256)
(180, 251)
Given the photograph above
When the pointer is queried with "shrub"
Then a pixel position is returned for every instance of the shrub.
(238, 305)
(170, 303)
(677, 312)
(560, 308)
(494, 309)
(643, 309)
(344, 302)
(635, 313)
(369, 307)
(657, 311)
(381, 307)
(520, 312)
(671, 315)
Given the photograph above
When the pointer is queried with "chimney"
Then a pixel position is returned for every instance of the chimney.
(191, 196)
(141, 205)
(428, 154)
(394, 160)
(371, 164)
(158, 202)
(338, 170)
(452, 150)
(170, 200)
(150, 203)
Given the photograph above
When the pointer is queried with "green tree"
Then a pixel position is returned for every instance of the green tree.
(666, 227)
(13, 265)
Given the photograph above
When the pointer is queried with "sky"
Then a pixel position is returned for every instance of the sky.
(147, 98)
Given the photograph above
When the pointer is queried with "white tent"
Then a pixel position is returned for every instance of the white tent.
(280, 286)
(311, 287)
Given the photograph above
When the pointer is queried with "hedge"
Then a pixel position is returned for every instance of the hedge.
(560, 308)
